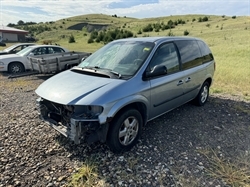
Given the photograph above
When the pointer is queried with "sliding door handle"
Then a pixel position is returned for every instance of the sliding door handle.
(180, 82)
(188, 79)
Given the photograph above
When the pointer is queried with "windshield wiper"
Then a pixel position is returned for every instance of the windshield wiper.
(99, 68)
(104, 70)
(116, 73)
(91, 67)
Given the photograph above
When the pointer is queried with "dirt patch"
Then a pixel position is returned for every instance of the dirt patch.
(90, 27)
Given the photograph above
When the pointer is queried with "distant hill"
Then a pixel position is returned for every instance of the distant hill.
(227, 36)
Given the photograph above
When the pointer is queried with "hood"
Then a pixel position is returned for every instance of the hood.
(3, 52)
(70, 88)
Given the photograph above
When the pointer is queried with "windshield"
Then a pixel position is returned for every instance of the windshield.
(10, 48)
(122, 57)
(25, 51)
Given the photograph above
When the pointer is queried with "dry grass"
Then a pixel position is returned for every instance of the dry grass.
(16, 85)
(87, 176)
(235, 173)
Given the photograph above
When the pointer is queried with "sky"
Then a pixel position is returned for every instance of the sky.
(11, 11)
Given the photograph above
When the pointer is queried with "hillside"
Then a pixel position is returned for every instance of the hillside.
(228, 38)
(189, 146)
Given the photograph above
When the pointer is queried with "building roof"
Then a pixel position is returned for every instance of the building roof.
(12, 30)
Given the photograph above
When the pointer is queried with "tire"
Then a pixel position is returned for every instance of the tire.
(203, 95)
(15, 67)
(124, 131)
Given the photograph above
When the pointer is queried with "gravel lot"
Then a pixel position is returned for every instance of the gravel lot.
(174, 149)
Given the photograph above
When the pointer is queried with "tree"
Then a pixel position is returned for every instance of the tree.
(11, 25)
(20, 22)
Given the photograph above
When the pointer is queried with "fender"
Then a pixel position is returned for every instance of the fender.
(116, 107)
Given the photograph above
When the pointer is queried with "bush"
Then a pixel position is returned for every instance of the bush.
(72, 39)
(139, 32)
(97, 40)
(186, 33)
(170, 33)
(170, 22)
(205, 18)
(148, 28)
(233, 17)
(166, 27)
(90, 40)
(110, 35)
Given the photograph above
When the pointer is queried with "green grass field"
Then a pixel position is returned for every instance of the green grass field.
(228, 38)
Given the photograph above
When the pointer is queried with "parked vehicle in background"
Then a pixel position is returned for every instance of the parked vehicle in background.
(54, 63)
(17, 63)
(15, 48)
(2, 44)
(114, 92)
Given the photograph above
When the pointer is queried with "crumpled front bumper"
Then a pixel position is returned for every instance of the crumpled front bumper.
(74, 131)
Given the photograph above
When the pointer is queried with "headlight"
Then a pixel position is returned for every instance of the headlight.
(88, 112)
(1, 63)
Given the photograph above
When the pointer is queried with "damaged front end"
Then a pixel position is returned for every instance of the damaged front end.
(77, 122)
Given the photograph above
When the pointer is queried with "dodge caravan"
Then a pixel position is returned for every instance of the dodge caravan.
(114, 92)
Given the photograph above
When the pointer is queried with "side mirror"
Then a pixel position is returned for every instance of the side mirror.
(158, 70)
(31, 54)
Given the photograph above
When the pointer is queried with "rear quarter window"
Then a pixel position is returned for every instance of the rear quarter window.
(190, 53)
(205, 52)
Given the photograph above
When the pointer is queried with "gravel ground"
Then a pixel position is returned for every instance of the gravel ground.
(174, 149)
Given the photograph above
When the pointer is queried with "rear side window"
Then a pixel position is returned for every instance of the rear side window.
(190, 53)
(205, 52)
(40, 51)
(55, 50)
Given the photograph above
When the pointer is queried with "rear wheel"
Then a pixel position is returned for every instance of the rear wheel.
(202, 97)
(16, 67)
(124, 131)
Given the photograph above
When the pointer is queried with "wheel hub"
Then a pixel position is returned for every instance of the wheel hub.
(128, 131)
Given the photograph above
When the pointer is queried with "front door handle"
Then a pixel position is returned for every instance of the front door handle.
(180, 82)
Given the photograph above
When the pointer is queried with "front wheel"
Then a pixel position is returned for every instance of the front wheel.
(124, 131)
(203, 94)
(16, 67)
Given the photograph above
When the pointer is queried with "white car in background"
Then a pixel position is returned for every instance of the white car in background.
(17, 63)
(15, 48)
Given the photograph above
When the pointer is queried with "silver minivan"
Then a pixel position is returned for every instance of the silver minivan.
(114, 92)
